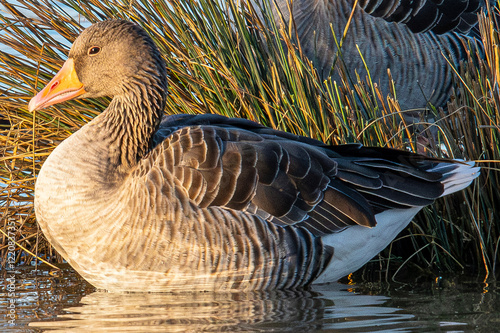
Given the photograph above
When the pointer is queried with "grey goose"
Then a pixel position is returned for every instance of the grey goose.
(414, 39)
(135, 201)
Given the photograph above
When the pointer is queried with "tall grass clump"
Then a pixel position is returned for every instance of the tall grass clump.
(223, 59)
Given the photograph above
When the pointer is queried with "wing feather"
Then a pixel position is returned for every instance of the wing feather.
(290, 180)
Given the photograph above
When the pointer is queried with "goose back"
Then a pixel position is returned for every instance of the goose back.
(227, 204)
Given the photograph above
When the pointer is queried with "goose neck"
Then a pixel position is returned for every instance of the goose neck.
(130, 122)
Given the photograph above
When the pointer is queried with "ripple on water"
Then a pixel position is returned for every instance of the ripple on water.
(64, 302)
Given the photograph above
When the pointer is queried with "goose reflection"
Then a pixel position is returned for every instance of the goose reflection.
(285, 311)
(64, 302)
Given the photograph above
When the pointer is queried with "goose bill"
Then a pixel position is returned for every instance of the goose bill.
(64, 86)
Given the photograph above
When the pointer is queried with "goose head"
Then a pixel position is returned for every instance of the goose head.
(108, 59)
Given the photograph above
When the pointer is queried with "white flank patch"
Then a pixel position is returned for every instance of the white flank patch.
(356, 245)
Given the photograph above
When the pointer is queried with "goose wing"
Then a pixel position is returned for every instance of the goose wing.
(440, 16)
(287, 179)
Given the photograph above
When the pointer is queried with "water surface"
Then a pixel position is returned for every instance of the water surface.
(63, 302)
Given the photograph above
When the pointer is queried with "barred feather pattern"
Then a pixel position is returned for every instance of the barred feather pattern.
(428, 15)
(411, 38)
(207, 202)
(220, 204)
(149, 230)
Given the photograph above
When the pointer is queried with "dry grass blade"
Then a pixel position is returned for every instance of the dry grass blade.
(222, 60)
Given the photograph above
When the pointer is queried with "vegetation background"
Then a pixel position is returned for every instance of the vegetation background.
(222, 60)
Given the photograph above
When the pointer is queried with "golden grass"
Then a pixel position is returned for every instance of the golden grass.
(222, 60)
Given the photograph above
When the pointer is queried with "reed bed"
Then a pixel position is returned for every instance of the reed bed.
(222, 60)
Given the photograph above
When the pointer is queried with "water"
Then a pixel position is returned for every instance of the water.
(64, 302)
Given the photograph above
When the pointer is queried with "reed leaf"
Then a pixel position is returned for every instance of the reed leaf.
(222, 59)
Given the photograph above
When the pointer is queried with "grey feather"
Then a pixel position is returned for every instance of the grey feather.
(411, 38)
(212, 203)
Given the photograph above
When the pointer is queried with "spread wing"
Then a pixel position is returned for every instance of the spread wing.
(290, 180)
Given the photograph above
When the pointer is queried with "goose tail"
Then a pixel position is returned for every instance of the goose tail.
(456, 176)
(356, 245)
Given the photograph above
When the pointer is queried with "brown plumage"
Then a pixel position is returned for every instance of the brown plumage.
(207, 202)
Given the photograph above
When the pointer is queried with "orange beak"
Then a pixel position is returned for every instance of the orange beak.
(64, 86)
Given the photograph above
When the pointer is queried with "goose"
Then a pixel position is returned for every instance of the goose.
(138, 201)
(419, 41)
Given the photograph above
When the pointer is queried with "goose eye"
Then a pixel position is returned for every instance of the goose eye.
(94, 50)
